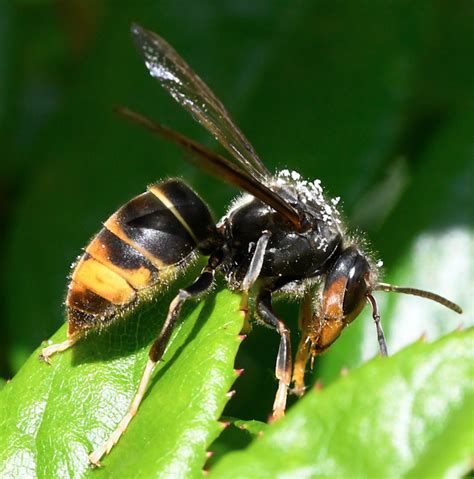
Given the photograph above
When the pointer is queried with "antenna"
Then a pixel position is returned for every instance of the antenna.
(418, 292)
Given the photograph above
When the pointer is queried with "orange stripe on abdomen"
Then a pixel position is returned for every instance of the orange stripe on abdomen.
(102, 281)
(123, 259)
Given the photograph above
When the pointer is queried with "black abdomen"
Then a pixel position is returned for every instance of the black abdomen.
(142, 245)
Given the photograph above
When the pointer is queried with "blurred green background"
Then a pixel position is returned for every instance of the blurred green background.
(374, 98)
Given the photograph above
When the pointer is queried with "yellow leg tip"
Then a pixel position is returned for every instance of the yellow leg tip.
(94, 461)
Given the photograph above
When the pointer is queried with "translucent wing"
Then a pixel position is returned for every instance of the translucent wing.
(219, 166)
(175, 75)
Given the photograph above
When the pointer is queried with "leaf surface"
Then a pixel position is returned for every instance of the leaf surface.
(409, 415)
(52, 417)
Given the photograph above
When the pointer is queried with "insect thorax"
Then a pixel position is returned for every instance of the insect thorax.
(290, 255)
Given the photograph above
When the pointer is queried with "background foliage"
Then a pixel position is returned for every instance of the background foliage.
(374, 98)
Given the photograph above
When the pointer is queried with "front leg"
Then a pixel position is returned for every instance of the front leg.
(283, 363)
(304, 348)
(251, 276)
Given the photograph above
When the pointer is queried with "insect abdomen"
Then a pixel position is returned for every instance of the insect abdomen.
(143, 244)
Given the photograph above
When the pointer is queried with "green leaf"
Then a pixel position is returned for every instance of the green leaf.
(256, 428)
(238, 435)
(409, 415)
(342, 91)
(52, 417)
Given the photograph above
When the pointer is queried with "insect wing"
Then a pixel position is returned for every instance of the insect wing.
(175, 75)
(218, 166)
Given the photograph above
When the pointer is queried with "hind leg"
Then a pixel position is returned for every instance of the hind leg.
(48, 351)
(200, 286)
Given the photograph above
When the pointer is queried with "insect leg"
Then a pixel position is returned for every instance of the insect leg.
(257, 261)
(57, 348)
(252, 275)
(378, 325)
(304, 347)
(283, 362)
(199, 287)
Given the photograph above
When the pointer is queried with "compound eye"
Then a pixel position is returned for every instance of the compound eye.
(356, 286)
